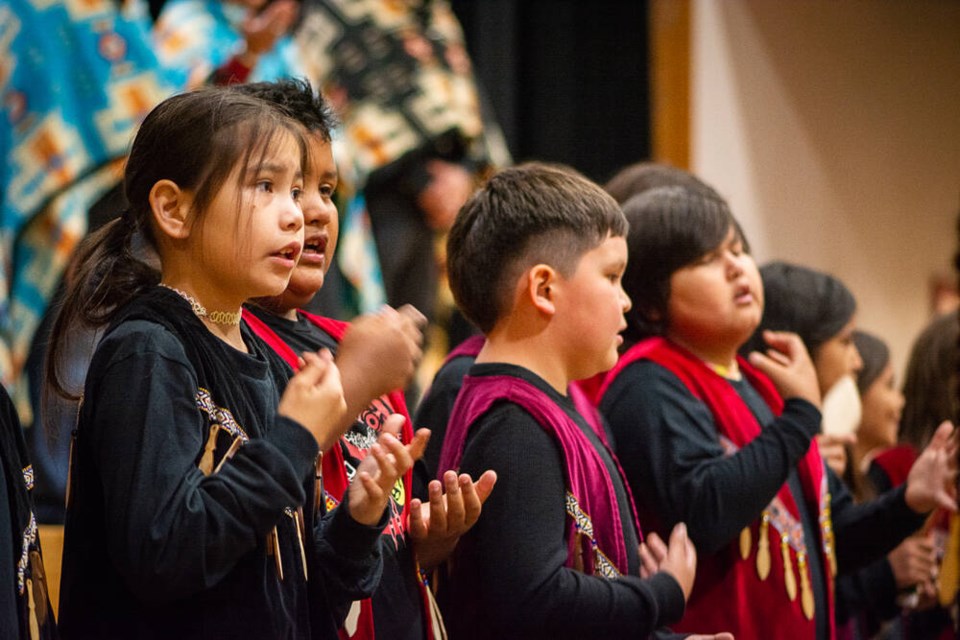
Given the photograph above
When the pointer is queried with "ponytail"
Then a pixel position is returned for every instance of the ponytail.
(103, 276)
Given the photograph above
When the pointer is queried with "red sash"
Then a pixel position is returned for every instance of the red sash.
(335, 482)
(729, 594)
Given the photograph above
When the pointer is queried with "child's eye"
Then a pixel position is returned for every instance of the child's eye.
(296, 194)
(708, 258)
(326, 190)
(265, 185)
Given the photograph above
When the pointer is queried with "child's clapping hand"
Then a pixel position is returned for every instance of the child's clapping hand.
(789, 366)
(379, 471)
(314, 398)
(379, 353)
(679, 559)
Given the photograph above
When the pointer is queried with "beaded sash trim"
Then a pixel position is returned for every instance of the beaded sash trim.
(788, 531)
(29, 540)
(603, 566)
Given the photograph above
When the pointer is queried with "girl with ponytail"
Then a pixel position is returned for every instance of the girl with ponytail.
(191, 508)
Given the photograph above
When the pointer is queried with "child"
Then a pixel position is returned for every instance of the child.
(191, 506)
(535, 259)
(870, 596)
(706, 437)
(930, 383)
(25, 609)
(821, 310)
(434, 409)
(642, 176)
(376, 356)
(882, 409)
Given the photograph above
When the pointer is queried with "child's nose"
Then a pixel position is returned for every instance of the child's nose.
(625, 301)
(319, 213)
(291, 216)
(856, 362)
(734, 267)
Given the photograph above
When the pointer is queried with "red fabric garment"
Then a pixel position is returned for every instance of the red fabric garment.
(335, 481)
(896, 462)
(594, 501)
(728, 594)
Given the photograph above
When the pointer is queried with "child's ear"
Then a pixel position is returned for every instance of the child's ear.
(542, 282)
(171, 209)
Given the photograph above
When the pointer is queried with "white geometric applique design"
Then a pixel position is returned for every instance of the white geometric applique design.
(220, 416)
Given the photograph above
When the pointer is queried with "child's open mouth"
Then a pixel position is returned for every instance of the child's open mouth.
(314, 251)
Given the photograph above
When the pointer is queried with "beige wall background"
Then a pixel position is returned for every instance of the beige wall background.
(833, 129)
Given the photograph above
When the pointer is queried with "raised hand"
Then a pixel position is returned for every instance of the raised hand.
(932, 479)
(437, 525)
(386, 462)
(314, 398)
(379, 353)
(679, 559)
(262, 28)
(789, 366)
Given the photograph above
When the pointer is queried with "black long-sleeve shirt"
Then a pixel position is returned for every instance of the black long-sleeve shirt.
(433, 413)
(668, 446)
(397, 603)
(509, 577)
(154, 548)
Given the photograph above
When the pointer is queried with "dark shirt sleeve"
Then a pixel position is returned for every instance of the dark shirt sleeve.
(171, 531)
(668, 446)
(348, 555)
(513, 559)
(433, 413)
(9, 625)
(868, 531)
(870, 592)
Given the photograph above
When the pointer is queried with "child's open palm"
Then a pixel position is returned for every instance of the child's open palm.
(932, 479)
(437, 525)
(379, 471)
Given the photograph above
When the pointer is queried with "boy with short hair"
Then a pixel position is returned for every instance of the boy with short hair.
(376, 355)
(535, 260)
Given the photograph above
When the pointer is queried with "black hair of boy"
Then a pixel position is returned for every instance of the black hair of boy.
(525, 215)
(644, 176)
(690, 222)
(297, 99)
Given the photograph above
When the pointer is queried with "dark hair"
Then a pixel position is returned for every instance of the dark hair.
(930, 385)
(670, 228)
(643, 176)
(297, 100)
(875, 356)
(814, 305)
(194, 139)
(529, 214)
